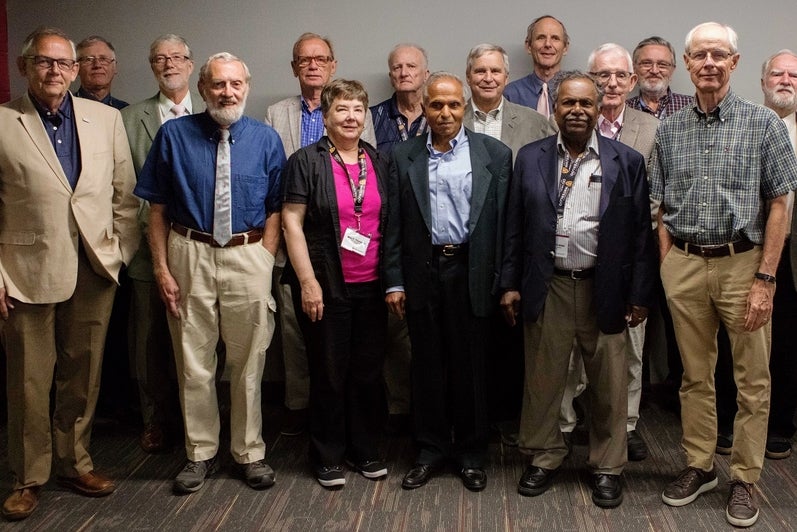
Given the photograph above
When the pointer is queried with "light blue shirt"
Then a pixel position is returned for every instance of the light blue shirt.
(450, 187)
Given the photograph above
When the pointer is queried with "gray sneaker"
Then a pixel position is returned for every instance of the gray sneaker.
(193, 475)
(690, 483)
(741, 509)
(258, 475)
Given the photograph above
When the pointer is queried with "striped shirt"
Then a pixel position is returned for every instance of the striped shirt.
(715, 172)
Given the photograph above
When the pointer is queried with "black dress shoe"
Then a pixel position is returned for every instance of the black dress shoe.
(417, 476)
(637, 449)
(535, 480)
(607, 492)
(473, 478)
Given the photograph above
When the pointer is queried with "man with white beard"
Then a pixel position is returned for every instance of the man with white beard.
(213, 236)
(654, 65)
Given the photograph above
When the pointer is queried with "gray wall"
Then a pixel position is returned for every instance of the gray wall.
(363, 31)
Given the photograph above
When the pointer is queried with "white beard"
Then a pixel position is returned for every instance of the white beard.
(225, 115)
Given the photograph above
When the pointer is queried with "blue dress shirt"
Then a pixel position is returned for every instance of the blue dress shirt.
(62, 132)
(450, 188)
(526, 91)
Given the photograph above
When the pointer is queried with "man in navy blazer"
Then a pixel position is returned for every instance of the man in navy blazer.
(578, 265)
(447, 195)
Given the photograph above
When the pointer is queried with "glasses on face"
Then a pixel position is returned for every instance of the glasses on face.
(176, 59)
(605, 75)
(303, 61)
(42, 62)
(647, 64)
(718, 56)
(99, 59)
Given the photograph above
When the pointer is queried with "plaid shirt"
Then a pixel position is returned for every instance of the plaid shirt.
(716, 171)
(668, 104)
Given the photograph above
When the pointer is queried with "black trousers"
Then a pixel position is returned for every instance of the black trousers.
(345, 354)
(448, 379)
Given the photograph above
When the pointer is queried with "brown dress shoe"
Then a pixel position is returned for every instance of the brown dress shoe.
(92, 484)
(21, 503)
(153, 439)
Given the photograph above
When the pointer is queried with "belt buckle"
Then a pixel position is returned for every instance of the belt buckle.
(574, 274)
(449, 250)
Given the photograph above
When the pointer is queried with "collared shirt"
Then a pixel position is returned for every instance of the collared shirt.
(165, 106)
(386, 116)
(488, 123)
(108, 100)
(526, 91)
(715, 172)
(611, 130)
(312, 124)
(668, 104)
(180, 172)
(450, 187)
(62, 132)
(581, 217)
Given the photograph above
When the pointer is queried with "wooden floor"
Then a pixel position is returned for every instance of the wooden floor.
(144, 500)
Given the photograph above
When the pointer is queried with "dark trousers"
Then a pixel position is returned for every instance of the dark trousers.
(345, 354)
(448, 389)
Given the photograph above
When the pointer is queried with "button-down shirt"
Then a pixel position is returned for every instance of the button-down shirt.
(611, 129)
(526, 91)
(180, 172)
(715, 172)
(116, 103)
(581, 217)
(312, 124)
(490, 122)
(386, 116)
(62, 132)
(165, 106)
(450, 187)
(668, 104)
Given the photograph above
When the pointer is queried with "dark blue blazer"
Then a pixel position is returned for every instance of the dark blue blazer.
(626, 263)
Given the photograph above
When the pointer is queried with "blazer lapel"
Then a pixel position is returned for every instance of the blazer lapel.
(630, 131)
(418, 172)
(549, 171)
(480, 179)
(32, 123)
(295, 122)
(610, 170)
(151, 119)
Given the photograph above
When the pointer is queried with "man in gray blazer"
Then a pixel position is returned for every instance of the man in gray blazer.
(299, 123)
(611, 66)
(172, 64)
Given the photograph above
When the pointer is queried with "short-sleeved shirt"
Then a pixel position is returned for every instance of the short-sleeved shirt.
(387, 117)
(715, 172)
(180, 172)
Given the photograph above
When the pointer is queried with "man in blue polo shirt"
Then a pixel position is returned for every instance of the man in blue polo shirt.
(213, 182)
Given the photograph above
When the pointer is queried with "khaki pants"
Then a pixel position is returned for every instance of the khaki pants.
(227, 291)
(701, 292)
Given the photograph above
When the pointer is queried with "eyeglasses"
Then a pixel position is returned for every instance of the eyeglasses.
(718, 56)
(99, 59)
(303, 61)
(605, 75)
(647, 64)
(176, 59)
(42, 62)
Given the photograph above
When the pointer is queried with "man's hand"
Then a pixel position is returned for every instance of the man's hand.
(634, 315)
(169, 292)
(510, 306)
(312, 300)
(5, 303)
(759, 304)
(395, 303)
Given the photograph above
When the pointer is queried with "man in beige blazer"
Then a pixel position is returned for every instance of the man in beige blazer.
(67, 227)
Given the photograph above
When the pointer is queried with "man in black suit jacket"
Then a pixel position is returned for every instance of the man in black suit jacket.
(447, 195)
(578, 259)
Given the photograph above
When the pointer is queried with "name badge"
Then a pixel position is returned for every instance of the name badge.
(355, 242)
(561, 246)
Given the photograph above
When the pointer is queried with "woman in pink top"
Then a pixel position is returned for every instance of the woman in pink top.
(333, 216)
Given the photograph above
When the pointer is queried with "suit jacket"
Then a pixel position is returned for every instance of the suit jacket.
(639, 132)
(286, 117)
(408, 238)
(42, 218)
(520, 125)
(626, 264)
(142, 121)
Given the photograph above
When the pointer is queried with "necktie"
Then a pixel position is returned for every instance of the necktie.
(222, 207)
(542, 103)
(178, 110)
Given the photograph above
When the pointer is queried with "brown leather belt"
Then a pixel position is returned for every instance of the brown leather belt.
(575, 274)
(450, 250)
(709, 252)
(238, 239)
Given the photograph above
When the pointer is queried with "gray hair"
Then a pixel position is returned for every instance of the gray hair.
(606, 48)
(768, 62)
(33, 38)
(437, 76)
(224, 57)
(485, 48)
(533, 25)
(401, 45)
(654, 40)
(307, 36)
(733, 38)
(172, 38)
(92, 39)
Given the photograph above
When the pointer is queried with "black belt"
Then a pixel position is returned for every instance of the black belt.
(450, 250)
(238, 239)
(708, 252)
(575, 274)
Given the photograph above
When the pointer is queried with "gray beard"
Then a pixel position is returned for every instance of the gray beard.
(226, 116)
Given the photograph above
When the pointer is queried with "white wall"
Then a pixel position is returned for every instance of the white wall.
(262, 32)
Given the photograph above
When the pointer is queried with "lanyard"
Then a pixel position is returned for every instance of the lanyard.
(569, 171)
(358, 190)
(403, 129)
